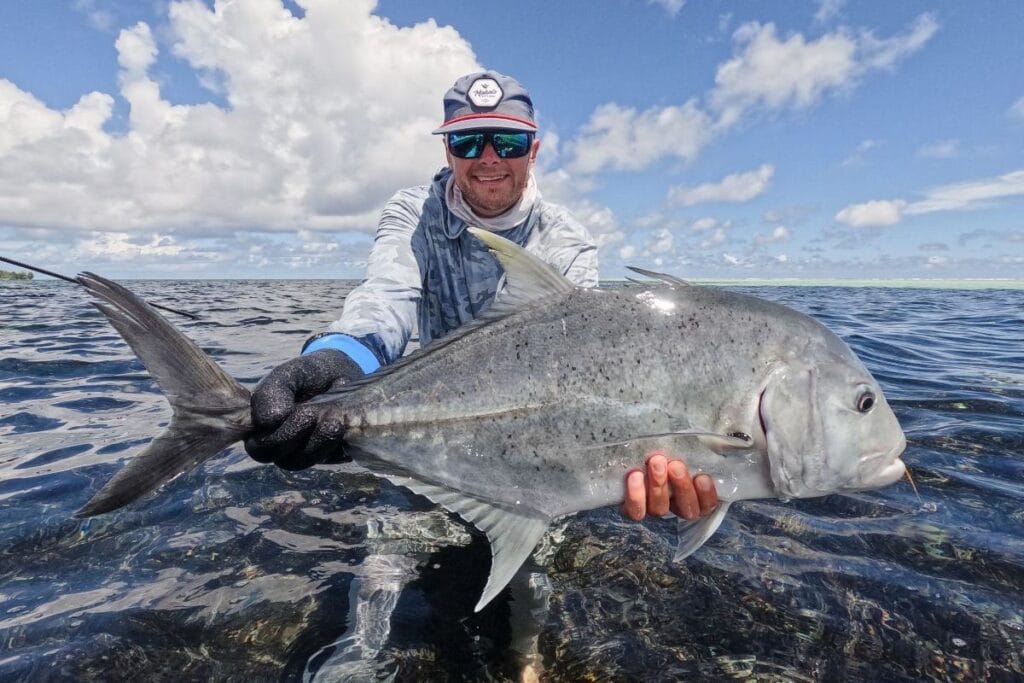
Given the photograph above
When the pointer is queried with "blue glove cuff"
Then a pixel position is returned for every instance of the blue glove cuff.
(350, 346)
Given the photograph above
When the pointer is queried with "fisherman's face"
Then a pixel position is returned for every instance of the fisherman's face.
(489, 184)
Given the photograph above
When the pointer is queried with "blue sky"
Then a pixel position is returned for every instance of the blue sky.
(710, 140)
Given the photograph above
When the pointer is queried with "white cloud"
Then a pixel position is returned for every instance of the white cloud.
(627, 252)
(136, 50)
(781, 258)
(779, 234)
(706, 223)
(670, 6)
(100, 18)
(828, 10)
(973, 194)
(623, 138)
(661, 242)
(858, 156)
(716, 238)
(942, 149)
(1017, 109)
(883, 53)
(307, 140)
(766, 72)
(795, 72)
(122, 246)
(873, 213)
(736, 187)
(970, 195)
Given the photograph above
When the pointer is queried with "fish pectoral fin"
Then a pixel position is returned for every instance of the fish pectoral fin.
(692, 535)
(513, 531)
(712, 440)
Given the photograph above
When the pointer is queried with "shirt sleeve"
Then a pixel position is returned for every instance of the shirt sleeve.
(381, 312)
(568, 246)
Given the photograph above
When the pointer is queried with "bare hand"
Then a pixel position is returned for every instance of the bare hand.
(668, 487)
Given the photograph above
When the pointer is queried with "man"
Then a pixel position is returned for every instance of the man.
(426, 266)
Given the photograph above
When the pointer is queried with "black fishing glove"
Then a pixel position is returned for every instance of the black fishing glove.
(290, 433)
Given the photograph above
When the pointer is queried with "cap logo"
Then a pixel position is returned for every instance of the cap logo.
(485, 92)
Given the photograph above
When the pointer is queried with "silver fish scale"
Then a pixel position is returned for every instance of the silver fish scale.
(530, 399)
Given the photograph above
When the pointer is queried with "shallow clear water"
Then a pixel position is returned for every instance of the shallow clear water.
(243, 572)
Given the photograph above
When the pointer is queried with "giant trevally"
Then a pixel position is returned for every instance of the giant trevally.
(539, 409)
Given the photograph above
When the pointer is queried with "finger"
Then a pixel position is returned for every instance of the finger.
(636, 496)
(684, 497)
(326, 443)
(287, 441)
(707, 496)
(658, 494)
(273, 399)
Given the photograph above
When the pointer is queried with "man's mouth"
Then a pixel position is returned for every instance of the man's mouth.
(490, 178)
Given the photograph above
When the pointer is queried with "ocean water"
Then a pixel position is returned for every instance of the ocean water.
(242, 572)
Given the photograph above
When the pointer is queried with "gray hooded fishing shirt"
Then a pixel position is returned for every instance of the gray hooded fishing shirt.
(426, 268)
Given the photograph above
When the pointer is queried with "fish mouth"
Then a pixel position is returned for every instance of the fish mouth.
(891, 472)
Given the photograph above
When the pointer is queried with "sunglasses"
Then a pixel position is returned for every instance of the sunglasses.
(507, 145)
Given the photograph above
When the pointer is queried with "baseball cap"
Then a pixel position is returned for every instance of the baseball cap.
(487, 99)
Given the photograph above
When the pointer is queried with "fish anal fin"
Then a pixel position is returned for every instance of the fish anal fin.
(692, 535)
(513, 531)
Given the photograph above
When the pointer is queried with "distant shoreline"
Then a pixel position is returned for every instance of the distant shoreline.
(14, 275)
(895, 283)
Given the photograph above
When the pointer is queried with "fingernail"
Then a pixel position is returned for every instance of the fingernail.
(702, 483)
(658, 467)
(635, 477)
(676, 468)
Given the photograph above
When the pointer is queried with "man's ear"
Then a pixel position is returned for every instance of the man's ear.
(534, 150)
(447, 152)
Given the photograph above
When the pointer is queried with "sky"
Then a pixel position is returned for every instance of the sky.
(260, 138)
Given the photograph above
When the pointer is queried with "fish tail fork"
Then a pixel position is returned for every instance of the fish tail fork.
(211, 409)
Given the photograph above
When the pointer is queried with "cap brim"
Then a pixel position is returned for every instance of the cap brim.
(483, 122)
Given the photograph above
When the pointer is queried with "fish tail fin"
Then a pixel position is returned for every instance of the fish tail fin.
(211, 409)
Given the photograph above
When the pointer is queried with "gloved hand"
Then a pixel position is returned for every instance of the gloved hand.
(290, 433)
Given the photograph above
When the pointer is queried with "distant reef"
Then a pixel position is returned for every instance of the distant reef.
(11, 275)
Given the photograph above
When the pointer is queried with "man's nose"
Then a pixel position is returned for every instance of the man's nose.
(489, 155)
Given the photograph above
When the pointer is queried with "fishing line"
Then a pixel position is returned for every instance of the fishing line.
(72, 280)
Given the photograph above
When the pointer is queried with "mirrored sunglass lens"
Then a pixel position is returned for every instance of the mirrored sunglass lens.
(467, 145)
(511, 144)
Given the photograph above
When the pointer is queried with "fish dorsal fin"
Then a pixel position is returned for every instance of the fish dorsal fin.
(513, 531)
(667, 279)
(527, 278)
(692, 535)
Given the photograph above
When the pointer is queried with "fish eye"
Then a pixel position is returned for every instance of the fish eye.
(741, 435)
(866, 402)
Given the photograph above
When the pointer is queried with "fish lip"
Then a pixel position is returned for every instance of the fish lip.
(892, 471)
(890, 456)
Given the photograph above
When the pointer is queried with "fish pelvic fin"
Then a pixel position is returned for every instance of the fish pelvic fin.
(513, 531)
(211, 409)
(692, 535)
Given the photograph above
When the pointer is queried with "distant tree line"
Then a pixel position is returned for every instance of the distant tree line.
(11, 275)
